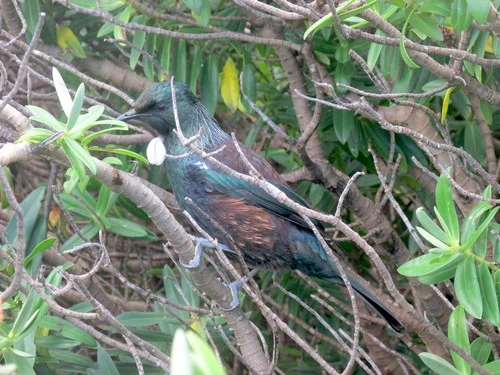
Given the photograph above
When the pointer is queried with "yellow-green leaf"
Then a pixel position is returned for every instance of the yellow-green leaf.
(230, 87)
(68, 41)
(446, 103)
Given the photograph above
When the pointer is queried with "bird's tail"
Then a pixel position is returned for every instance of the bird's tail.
(372, 301)
(310, 258)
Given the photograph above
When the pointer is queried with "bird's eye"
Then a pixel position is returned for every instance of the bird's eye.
(161, 107)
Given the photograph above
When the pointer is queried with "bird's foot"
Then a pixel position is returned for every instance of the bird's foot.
(233, 287)
(200, 243)
(198, 250)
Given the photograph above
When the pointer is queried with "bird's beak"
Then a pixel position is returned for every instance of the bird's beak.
(130, 115)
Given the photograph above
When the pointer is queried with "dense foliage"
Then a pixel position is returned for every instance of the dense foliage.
(384, 115)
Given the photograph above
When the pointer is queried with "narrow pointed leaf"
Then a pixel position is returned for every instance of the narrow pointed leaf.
(433, 240)
(470, 222)
(62, 92)
(446, 206)
(457, 333)
(473, 238)
(181, 362)
(426, 264)
(443, 273)
(438, 364)
(402, 48)
(210, 88)
(41, 115)
(76, 152)
(76, 107)
(491, 310)
(430, 226)
(467, 288)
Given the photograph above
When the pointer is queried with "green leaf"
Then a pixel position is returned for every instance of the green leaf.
(482, 227)
(105, 200)
(209, 90)
(461, 17)
(343, 124)
(446, 207)
(200, 10)
(433, 240)
(427, 264)
(134, 319)
(164, 55)
(77, 153)
(41, 247)
(76, 108)
(137, 42)
(443, 273)
(91, 137)
(180, 61)
(430, 226)
(481, 350)
(105, 29)
(86, 121)
(467, 288)
(121, 151)
(105, 363)
(203, 356)
(495, 240)
(195, 64)
(324, 21)
(41, 115)
(147, 64)
(438, 364)
(490, 299)
(69, 357)
(23, 365)
(493, 367)
(479, 10)
(249, 85)
(35, 135)
(172, 292)
(438, 8)
(473, 142)
(470, 222)
(402, 49)
(426, 25)
(89, 230)
(31, 12)
(126, 228)
(457, 333)
(112, 160)
(374, 51)
(181, 362)
(26, 315)
(62, 92)
(31, 206)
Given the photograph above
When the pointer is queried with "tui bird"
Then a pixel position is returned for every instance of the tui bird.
(269, 234)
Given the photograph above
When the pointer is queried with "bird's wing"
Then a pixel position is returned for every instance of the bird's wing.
(255, 196)
(252, 194)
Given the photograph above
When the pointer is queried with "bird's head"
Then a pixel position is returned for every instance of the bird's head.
(154, 107)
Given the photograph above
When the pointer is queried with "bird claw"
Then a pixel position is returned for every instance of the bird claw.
(198, 250)
(235, 300)
(233, 287)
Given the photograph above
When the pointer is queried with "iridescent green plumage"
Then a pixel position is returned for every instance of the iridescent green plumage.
(269, 234)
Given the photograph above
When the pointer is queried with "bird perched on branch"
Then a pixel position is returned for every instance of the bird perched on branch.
(237, 213)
